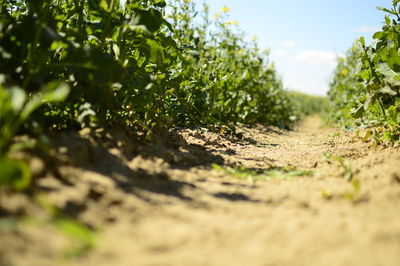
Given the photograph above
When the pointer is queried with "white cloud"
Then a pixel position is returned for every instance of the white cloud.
(367, 29)
(279, 53)
(316, 57)
(289, 44)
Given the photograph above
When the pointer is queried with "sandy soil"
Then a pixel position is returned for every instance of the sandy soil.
(163, 204)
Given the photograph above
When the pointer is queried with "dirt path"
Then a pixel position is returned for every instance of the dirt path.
(168, 207)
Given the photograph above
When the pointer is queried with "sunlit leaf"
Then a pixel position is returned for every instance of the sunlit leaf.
(18, 98)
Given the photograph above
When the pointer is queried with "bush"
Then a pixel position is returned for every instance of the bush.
(365, 90)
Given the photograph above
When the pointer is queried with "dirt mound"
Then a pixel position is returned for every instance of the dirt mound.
(276, 198)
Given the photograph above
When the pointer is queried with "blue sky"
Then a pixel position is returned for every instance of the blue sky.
(305, 36)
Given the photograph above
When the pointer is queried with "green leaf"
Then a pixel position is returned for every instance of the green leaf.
(379, 35)
(14, 174)
(104, 5)
(18, 98)
(358, 113)
(83, 238)
(116, 50)
(55, 91)
(217, 167)
(391, 75)
(368, 101)
(362, 41)
(160, 3)
(387, 21)
(152, 19)
(358, 66)
(156, 52)
(388, 90)
(52, 92)
(366, 74)
(386, 10)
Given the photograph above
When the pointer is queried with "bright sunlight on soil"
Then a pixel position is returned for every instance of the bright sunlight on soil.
(311, 196)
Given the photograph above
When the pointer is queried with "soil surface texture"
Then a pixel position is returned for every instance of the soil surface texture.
(265, 197)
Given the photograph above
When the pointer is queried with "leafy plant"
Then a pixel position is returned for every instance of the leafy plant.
(222, 78)
(305, 105)
(130, 64)
(365, 90)
(83, 239)
(136, 67)
(15, 108)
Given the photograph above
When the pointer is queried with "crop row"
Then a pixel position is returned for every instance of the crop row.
(144, 65)
(365, 89)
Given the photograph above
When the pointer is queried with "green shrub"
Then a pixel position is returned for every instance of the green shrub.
(365, 90)
(304, 104)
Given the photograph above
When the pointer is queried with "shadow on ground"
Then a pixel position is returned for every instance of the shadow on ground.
(124, 161)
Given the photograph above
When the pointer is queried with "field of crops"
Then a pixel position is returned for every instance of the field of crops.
(69, 65)
(132, 87)
(74, 64)
(365, 90)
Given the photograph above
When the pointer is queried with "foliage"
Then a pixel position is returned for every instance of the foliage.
(82, 238)
(15, 109)
(69, 64)
(305, 104)
(101, 51)
(345, 88)
(14, 174)
(365, 89)
(129, 64)
(222, 78)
